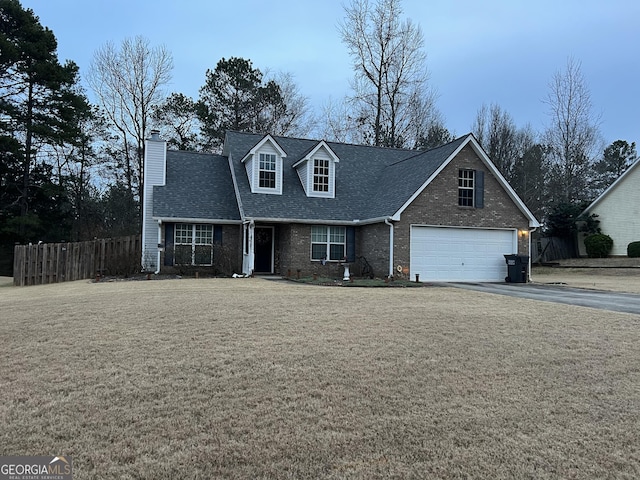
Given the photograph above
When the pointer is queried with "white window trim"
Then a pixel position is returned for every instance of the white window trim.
(193, 244)
(328, 244)
(472, 178)
(277, 190)
(322, 151)
(251, 160)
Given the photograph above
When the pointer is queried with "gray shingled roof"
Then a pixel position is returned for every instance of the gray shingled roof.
(371, 182)
(198, 186)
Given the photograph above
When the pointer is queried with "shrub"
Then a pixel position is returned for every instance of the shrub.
(633, 249)
(598, 245)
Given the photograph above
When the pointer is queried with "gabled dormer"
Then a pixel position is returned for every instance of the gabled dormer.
(317, 171)
(263, 165)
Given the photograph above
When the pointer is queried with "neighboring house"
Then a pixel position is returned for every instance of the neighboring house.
(618, 209)
(277, 205)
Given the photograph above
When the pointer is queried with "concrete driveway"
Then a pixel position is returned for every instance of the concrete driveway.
(604, 300)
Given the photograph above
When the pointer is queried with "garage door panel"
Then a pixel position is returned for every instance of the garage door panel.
(460, 254)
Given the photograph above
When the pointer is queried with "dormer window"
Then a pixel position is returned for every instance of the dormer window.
(263, 164)
(320, 175)
(317, 171)
(267, 172)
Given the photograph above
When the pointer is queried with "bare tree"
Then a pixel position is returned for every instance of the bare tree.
(497, 133)
(295, 117)
(338, 122)
(572, 134)
(390, 71)
(128, 82)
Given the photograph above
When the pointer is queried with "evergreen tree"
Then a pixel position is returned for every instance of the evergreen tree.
(39, 107)
(235, 97)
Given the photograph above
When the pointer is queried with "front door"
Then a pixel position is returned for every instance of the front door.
(263, 250)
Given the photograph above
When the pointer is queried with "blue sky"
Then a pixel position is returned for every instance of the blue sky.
(496, 51)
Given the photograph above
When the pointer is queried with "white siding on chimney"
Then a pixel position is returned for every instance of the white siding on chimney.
(154, 174)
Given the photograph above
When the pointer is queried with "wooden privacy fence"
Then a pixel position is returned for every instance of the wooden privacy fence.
(65, 262)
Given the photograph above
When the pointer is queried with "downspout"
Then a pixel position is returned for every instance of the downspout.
(388, 222)
(159, 238)
(531, 230)
(247, 246)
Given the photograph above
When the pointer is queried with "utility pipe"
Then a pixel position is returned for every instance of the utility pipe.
(388, 222)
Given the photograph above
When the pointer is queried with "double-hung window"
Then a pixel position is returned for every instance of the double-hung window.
(466, 187)
(193, 244)
(267, 171)
(320, 175)
(328, 243)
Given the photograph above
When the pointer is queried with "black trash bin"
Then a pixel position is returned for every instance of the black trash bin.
(517, 268)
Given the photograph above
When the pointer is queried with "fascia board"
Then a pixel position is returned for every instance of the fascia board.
(234, 180)
(318, 221)
(309, 155)
(396, 215)
(265, 139)
(196, 220)
(533, 222)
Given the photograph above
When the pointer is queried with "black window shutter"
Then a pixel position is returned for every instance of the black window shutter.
(351, 244)
(217, 234)
(479, 189)
(168, 244)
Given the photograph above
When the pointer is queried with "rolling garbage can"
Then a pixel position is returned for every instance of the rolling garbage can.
(517, 268)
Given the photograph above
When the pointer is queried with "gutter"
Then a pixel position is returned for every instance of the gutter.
(388, 222)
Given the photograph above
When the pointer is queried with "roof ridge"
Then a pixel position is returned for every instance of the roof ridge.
(422, 152)
(191, 152)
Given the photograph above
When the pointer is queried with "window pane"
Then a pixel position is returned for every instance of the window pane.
(336, 251)
(267, 161)
(318, 251)
(183, 233)
(320, 175)
(204, 234)
(318, 234)
(465, 198)
(337, 234)
(465, 187)
(182, 255)
(267, 179)
(203, 255)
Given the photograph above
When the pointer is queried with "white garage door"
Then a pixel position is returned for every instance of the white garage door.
(448, 254)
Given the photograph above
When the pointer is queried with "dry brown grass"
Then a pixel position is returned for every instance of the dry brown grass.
(612, 279)
(256, 379)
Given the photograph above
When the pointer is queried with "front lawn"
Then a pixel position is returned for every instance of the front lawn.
(252, 378)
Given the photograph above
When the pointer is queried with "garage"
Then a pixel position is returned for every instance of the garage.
(449, 254)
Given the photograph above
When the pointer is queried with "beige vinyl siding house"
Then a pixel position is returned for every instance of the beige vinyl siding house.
(618, 210)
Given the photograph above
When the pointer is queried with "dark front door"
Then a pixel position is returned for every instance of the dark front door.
(263, 249)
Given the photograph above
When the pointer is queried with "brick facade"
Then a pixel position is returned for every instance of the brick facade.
(227, 256)
(438, 205)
